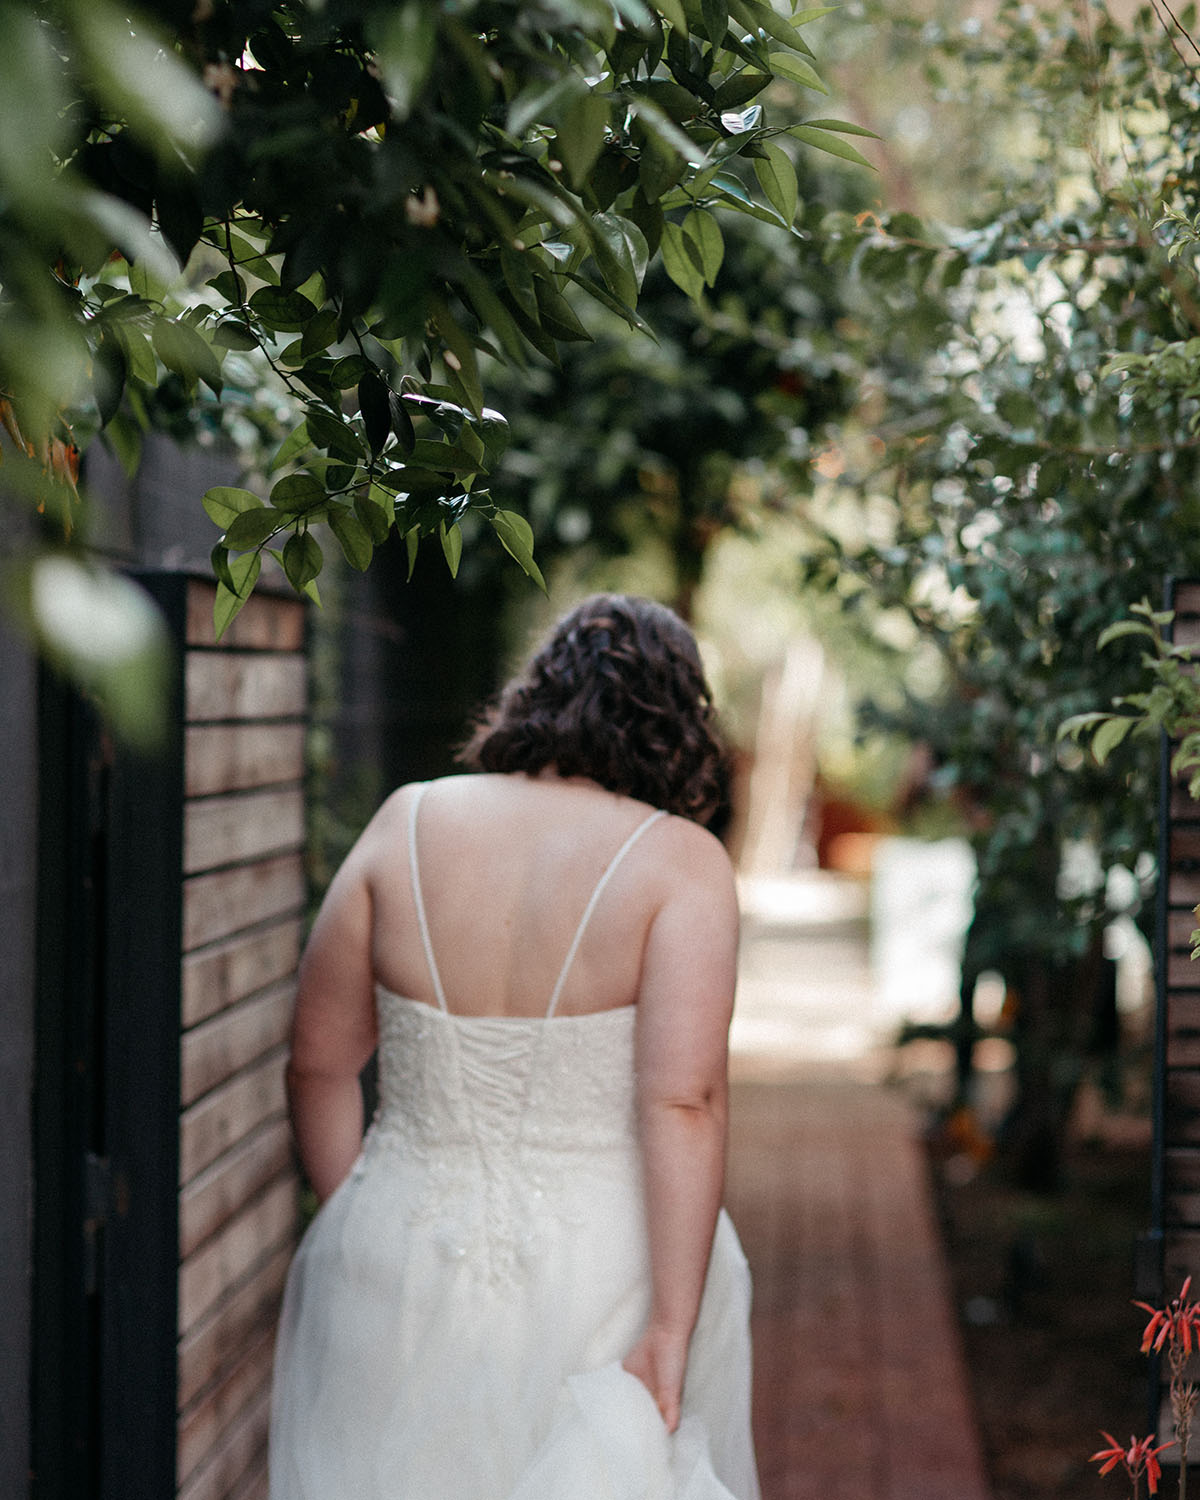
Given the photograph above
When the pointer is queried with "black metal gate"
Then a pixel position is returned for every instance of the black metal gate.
(106, 1106)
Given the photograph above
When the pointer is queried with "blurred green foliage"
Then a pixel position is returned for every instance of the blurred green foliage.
(627, 445)
(369, 196)
(1005, 491)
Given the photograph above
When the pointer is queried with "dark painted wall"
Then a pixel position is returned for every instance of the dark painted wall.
(18, 881)
(154, 520)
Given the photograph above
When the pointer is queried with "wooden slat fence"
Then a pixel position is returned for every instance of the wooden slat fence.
(243, 901)
(1177, 1165)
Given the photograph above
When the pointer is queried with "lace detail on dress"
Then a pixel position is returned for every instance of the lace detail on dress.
(502, 1114)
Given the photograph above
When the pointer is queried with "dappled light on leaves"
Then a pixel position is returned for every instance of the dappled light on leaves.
(368, 199)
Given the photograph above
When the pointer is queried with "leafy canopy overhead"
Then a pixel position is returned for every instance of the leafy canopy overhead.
(368, 195)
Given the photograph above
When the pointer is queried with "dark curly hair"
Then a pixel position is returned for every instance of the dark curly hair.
(616, 694)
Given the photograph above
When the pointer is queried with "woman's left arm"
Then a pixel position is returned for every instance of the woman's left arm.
(334, 1029)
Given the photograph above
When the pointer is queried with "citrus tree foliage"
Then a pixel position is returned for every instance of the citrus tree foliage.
(1018, 499)
(370, 194)
(663, 445)
(1169, 704)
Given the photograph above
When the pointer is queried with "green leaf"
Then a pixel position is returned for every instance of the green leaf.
(798, 71)
(124, 437)
(294, 444)
(375, 409)
(219, 559)
(252, 528)
(232, 333)
(493, 314)
(224, 503)
(557, 315)
(355, 539)
(412, 540)
(297, 492)
(740, 89)
(715, 15)
(672, 11)
(844, 126)
(671, 99)
(229, 286)
(335, 435)
(348, 371)
(444, 458)
(757, 16)
(406, 40)
(660, 167)
(183, 350)
(1077, 724)
(679, 261)
(243, 572)
(662, 129)
(516, 537)
(319, 333)
(495, 430)
(460, 356)
(108, 377)
(376, 517)
(285, 312)
(518, 277)
(580, 134)
(704, 243)
(1109, 735)
(302, 559)
(472, 444)
(1121, 628)
(402, 423)
(139, 77)
(734, 195)
(601, 294)
(620, 250)
(139, 354)
(451, 539)
(777, 178)
(536, 104)
(825, 140)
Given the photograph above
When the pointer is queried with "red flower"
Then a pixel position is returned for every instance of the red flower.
(1139, 1456)
(1178, 1323)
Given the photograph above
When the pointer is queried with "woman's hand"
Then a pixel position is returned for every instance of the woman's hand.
(658, 1359)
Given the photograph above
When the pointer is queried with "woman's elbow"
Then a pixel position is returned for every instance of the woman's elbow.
(706, 1104)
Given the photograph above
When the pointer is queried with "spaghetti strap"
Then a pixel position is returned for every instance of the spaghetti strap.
(418, 899)
(591, 906)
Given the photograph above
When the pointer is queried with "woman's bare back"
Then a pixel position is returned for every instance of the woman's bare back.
(507, 865)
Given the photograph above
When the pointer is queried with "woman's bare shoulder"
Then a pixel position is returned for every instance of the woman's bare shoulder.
(692, 858)
(703, 847)
(396, 807)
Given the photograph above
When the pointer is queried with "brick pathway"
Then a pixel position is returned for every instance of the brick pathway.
(860, 1391)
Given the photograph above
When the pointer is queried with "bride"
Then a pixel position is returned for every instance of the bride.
(521, 1285)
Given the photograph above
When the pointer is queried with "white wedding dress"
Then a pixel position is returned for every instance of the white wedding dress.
(456, 1314)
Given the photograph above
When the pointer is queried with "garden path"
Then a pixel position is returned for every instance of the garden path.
(860, 1386)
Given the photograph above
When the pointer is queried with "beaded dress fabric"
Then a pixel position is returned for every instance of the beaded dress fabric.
(457, 1312)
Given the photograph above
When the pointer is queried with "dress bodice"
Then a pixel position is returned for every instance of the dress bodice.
(490, 1083)
(498, 1124)
(502, 1121)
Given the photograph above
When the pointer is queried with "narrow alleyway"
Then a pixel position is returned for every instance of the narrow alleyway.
(860, 1388)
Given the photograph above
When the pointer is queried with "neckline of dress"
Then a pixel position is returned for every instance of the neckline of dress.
(453, 1015)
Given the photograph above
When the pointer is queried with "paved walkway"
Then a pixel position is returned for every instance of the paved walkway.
(860, 1392)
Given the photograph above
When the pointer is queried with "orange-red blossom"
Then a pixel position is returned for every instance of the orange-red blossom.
(1140, 1456)
(1178, 1323)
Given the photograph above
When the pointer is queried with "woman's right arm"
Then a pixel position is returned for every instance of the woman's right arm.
(684, 1008)
(333, 1026)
